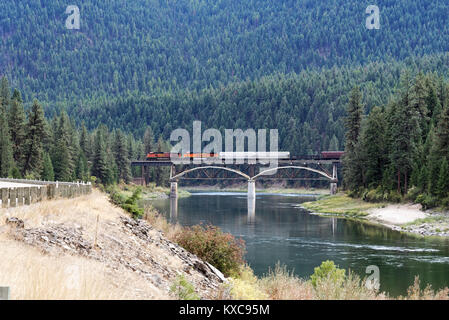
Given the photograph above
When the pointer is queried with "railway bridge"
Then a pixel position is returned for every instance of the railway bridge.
(321, 167)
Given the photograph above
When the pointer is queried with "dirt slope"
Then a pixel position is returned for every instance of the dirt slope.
(85, 248)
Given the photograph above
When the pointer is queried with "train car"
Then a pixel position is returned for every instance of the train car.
(254, 155)
(332, 154)
(168, 155)
(200, 155)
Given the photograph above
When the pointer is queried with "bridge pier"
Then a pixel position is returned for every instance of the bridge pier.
(174, 189)
(334, 181)
(333, 188)
(251, 190)
(173, 210)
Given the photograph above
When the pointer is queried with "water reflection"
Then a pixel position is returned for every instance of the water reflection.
(173, 210)
(251, 211)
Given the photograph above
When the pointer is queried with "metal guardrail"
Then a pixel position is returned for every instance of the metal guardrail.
(24, 195)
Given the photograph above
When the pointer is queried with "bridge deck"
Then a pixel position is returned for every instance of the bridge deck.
(159, 163)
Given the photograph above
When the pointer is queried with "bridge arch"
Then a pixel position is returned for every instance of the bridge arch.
(179, 175)
(293, 167)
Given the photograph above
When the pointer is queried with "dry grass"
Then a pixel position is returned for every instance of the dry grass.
(82, 211)
(414, 292)
(33, 275)
(158, 221)
(281, 284)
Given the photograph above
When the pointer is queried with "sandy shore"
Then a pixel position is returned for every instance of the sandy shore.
(397, 214)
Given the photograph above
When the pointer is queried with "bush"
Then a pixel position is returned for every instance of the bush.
(427, 201)
(222, 250)
(413, 193)
(374, 195)
(445, 202)
(246, 286)
(327, 271)
(129, 204)
(393, 196)
(183, 289)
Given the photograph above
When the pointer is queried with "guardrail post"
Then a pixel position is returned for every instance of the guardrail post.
(27, 195)
(5, 197)
(12, 197)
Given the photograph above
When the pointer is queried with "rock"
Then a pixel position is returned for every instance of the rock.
(217, 272)
(15, 222)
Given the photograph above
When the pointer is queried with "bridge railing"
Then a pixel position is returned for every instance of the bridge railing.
(24, 195)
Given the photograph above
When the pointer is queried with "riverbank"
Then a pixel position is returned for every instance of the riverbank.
(152, 192)
(407, 217)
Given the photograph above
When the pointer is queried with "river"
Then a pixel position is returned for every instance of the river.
(282, 231)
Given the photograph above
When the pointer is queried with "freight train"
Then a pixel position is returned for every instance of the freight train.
(327, 155)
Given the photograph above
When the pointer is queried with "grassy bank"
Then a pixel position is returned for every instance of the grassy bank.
(151, 191)
(342, 205)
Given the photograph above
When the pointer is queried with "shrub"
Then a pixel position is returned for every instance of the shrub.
(127, 203)
(393, 196)
(183, 289)
(374, 195)
(427, 201)
(413, 193)
(246, 286)
(281, 284)
(445, 202)
(222, 250)
(327, 271)
(414, 292)
(350, 287)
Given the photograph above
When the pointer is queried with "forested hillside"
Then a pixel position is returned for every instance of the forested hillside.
(157, 45)
(35, 147)
(307, 108)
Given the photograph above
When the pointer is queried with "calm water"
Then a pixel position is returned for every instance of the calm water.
(280, 231)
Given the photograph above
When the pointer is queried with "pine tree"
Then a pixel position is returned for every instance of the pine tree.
(121, 157)
(61, 151)
(84, 141)
(47, 169)
(6, 159)
(100, 167)
(405, 135)
(373, 147)
(17, 124)
(333, 144)
(81, 168)
(148, 140)
(33, 146)
(351, 162)
(443, 180)
(442, 135)
(4, 94)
